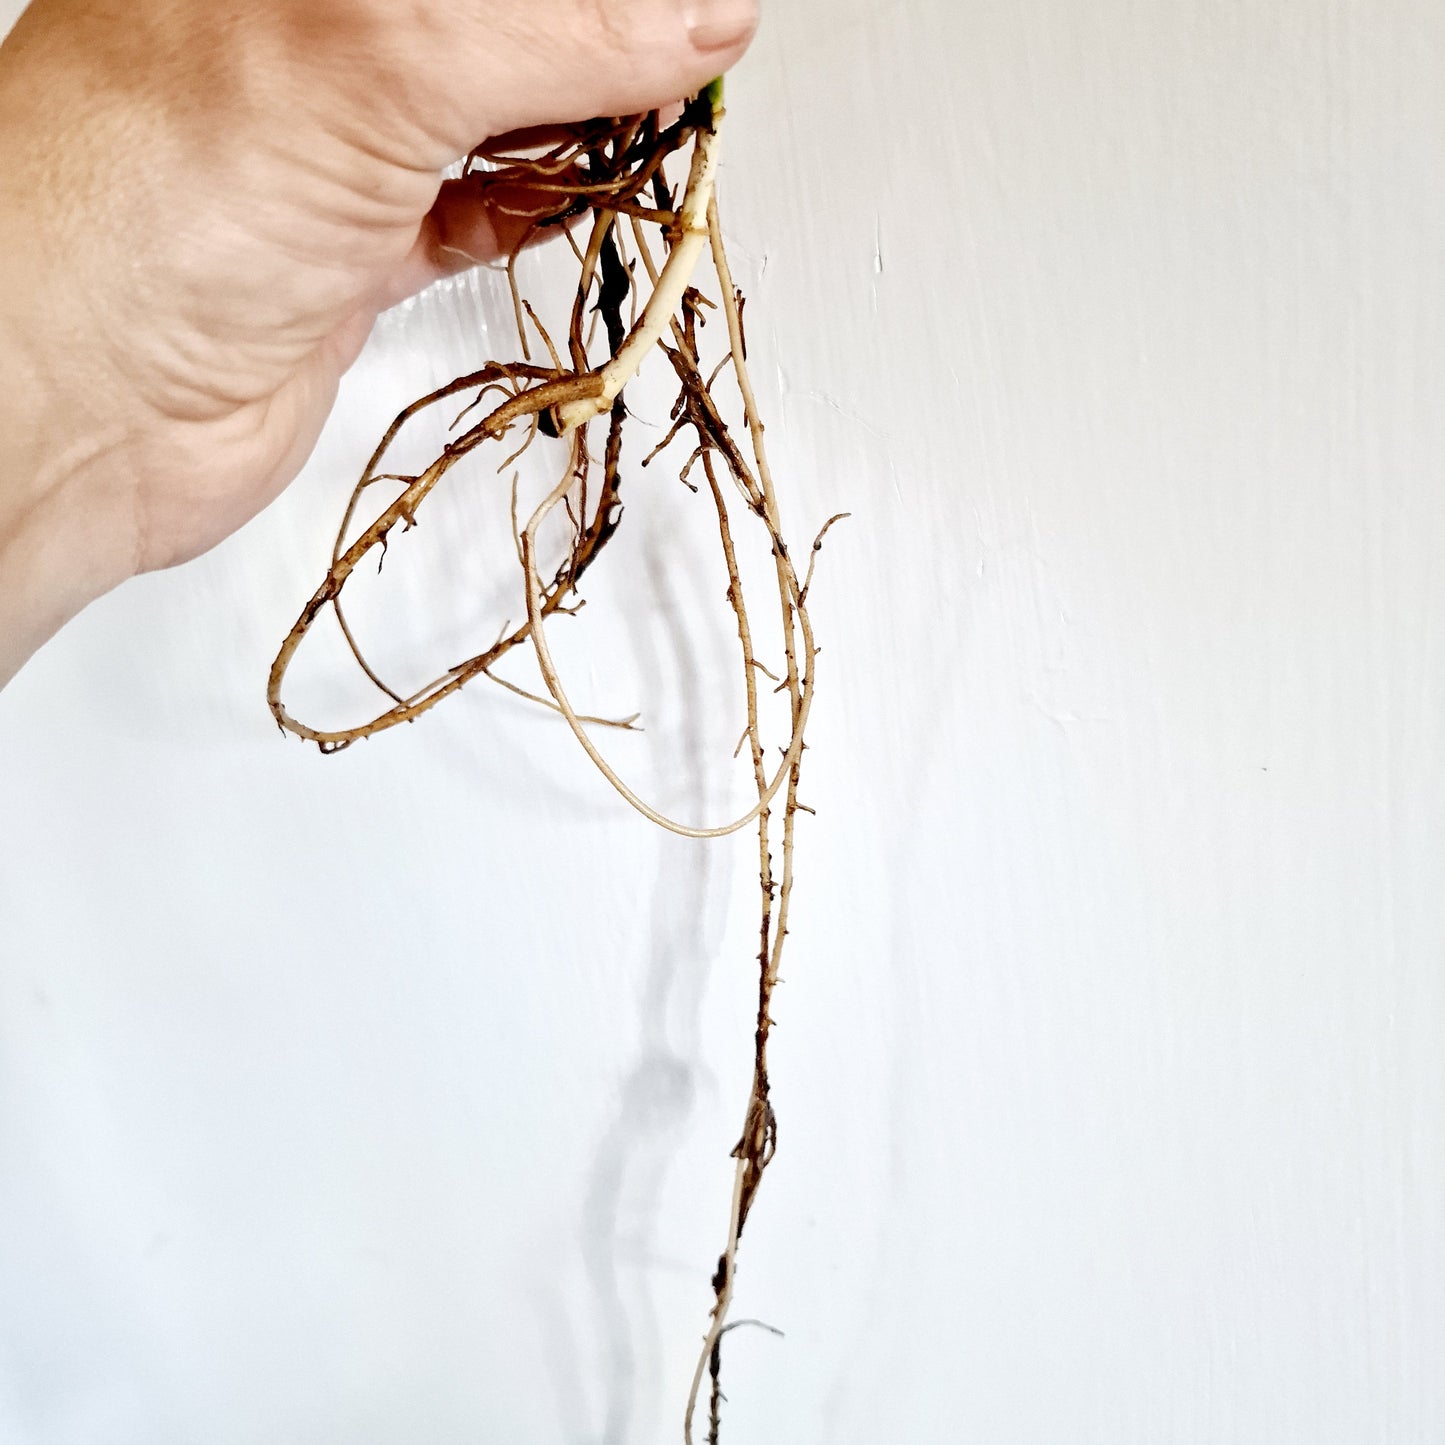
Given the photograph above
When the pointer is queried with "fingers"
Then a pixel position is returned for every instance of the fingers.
(472, 222)
(543, 62)
(548, 137)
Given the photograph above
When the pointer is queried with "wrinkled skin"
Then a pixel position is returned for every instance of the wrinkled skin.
(203, 208)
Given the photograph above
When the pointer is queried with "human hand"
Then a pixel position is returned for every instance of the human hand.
(204, 207)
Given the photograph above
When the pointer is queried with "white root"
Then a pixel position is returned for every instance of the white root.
(695, 234)
(667, 295)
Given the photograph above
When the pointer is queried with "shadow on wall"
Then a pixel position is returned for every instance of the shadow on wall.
(620, 1213)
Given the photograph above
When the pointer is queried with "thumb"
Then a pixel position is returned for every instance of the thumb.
(537, 62)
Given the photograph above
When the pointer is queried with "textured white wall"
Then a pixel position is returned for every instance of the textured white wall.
(1110, 1053)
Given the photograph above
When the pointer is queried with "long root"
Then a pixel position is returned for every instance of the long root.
(613, 175)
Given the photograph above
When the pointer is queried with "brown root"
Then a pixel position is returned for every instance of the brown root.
(612, 174)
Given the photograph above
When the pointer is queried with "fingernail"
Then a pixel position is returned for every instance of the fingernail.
(720, 24)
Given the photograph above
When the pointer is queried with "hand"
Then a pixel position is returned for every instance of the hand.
(203, 208)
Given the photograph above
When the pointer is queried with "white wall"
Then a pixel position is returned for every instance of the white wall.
(334, 1109)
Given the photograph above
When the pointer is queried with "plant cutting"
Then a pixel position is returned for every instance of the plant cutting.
(639, 230)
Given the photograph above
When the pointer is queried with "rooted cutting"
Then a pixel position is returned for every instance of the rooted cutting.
(609, 180)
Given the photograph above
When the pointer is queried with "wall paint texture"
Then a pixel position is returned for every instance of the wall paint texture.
(1111, 1053)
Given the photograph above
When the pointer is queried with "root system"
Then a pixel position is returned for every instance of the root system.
(638, 236)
